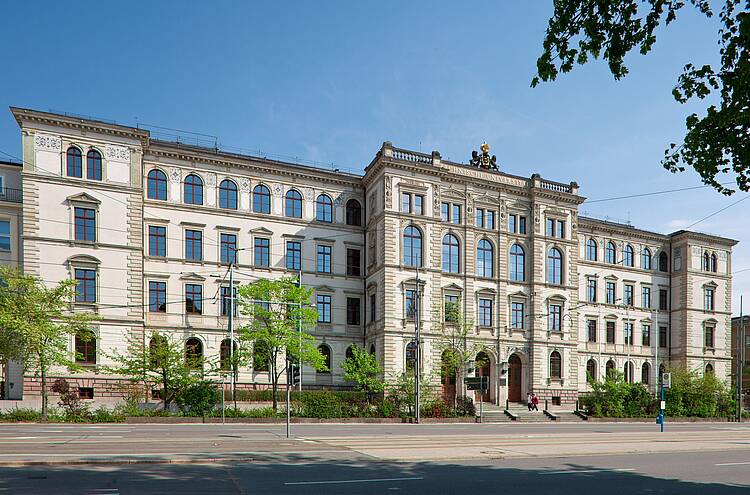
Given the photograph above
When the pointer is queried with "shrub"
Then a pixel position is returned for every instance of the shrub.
(258, 412)
(387, 409)
(435, 408)
(24, 415)
(321, 404)
(70, 401)
(465, 406)
(104, 415)
(198, 399)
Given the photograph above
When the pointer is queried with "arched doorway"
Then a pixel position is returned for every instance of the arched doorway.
(514, 378)
(483, 369)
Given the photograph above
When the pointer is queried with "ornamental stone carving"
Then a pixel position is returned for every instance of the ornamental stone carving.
(278, 189)
(211, 180)
(117, 153)
(245, 185)
(309, 193)
(436, 201)
(537, 218)
(388, 193)
(338, 200)
(45, 142)
(175, 175)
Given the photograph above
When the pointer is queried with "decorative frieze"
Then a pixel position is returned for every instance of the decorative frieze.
(117, 153)
(46, 142)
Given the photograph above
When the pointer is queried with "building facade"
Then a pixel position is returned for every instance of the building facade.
(148, 228)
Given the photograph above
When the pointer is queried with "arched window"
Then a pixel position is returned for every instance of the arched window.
(349, 352)
(261, 356)
(228, 195)
(157, 352)
(293, 204)
(555, 365)
(353, 212)
(485, 259)
(610, 368)
(194, 353)
(411, 355)
(450, 254)
(706, 261)
(412, 246)
(517, 263)
(709, 369)
(261, 199)
(591, 250)
(645, 374)
(663, 262)
(646, 259)
(225, 355)
(326, 352)
(590, 371)
(628, 258)
(610, 253)
(324, 209)
(156, 185)
(193, 190)
(372, 349)
(554, 266)
(74, 162)
(712, 266)
(628, 372)
(94, 165)
(85, 342)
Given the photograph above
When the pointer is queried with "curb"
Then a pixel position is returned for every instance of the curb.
(122, 462)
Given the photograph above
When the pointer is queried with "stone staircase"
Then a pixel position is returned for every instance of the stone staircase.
(567, 417)
(522, 414)
(493, 414)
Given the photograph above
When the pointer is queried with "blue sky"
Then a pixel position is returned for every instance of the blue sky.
(329, 81)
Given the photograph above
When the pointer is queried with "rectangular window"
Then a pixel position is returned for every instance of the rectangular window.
(610, 332)
(406, 203)
(627, 330)
(324, 259)
(521, 225)
(262, 252)
(157, 241)
(560, 229)
(662, 336)
(226, 302)
(663, 304)
(324, 308)
(353, 310)
(516, 315)
(194, 298)
(85, 285)
(157, 297)
(550, 227)
(709, 337)
(485, 312)
(418, 204)
(591, 330)
(709, 300)
(591, 290)
(456, 214)
(645, 297)
(610, 292)
(479, 218)
(194, 245)
(512, 223)
(555, 317)
(646, 335)
(410, 303)
(85, 224)
(353, 262)
(489, 219)
(450, 308)
(5, 235)
(373, 311)
(628, 295)
(294, 255)
(228, 248)
(445, 211)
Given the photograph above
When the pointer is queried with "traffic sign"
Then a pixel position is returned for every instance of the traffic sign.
(477, 383)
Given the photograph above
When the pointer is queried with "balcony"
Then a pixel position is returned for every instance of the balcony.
(11, 195)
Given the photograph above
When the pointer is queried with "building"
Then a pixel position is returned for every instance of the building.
(740, 331)
(147, 228)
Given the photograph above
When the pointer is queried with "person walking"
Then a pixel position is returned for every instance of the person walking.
(534, 402)
(529, 401)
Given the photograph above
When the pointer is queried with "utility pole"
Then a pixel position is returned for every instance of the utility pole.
(740, 361)
(299, 324)
(230, 324)
(417, 360)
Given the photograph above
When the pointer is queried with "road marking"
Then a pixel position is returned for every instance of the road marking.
(577, 471)
(732, 464)
(332, 482)
(154, 454)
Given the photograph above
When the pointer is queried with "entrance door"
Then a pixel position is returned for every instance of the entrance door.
(483, 369)
(514, 378)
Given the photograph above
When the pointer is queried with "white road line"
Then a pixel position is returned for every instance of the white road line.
(154, 454)
(332, 482)
(732, 464)
(577, 471)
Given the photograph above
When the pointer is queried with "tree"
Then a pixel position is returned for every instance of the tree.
(457, 350)
(363, 369)
(278, 308)
(40, 320)
(715, 143)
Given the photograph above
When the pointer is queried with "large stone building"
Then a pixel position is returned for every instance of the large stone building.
(147, 228)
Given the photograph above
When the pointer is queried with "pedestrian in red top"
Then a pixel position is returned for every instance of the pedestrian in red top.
(534, 402)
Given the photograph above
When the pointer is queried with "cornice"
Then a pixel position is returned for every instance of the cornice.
(25, 115)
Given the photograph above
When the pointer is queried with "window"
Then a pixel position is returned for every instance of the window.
(591, 325)
(645, 374)
(479, 218)
(193, 190)
(555, 365)
(85, 344)
(590, 370)
(646, 297)
(326, 352)
(261, 199)
(628, 256)
(156, 185)
(194, 354)
(445, 211)
(610, 332)
(324, 259)
(554, 266)
(451, 308)
(646, 259)
(323, 306)
(485, 312)
(261, 252)
(85, 285)
(591, 250)
(4, 235)
(227, 300)
(516, 315)
(228, 248)
(225, 355)
(610, 368)
(85, 224)
(521, 225)
(86, 392)
(709, 369)
(708, 299)
(485, 259)
(627, 331)
(456, 217)
(353, 262)
(94, 165)
(324, 209)
(712, 264)
(628, 290)
(157, 297)
(373, 310)
(354, 213)
(194, 245)
(410, 303)
(663, 299)
(610, 253)
(517, 263)
(294, 255)
(663, 262)
(349, 353)
(228, 195)
(293, 204)
(194, 298)
(406, 202)
(450, 254)
(662, 336)
(709, 336)
(550, 227)
(75, 162)
(411, 355)
(628, 372)
(412, 246)
(489, 219)
(646, 335)
(157, 240)
(555, 317)
(591, 290)
(353, 310)
(512, 223)
(556, 228)
(610, 293)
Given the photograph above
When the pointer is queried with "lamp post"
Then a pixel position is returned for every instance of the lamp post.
(230, 321)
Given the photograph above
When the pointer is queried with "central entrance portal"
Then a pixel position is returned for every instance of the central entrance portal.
(514, 378)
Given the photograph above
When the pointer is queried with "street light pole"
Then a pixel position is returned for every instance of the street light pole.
(417, 360)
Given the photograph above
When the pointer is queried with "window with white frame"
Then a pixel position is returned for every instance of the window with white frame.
(485, 312)
(555, 317)
(516, 314)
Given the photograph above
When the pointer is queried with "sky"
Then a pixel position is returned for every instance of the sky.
(329, 81)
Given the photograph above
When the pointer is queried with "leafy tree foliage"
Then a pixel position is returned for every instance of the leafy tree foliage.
(363, 369)
(457, 349)
(716, 143)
